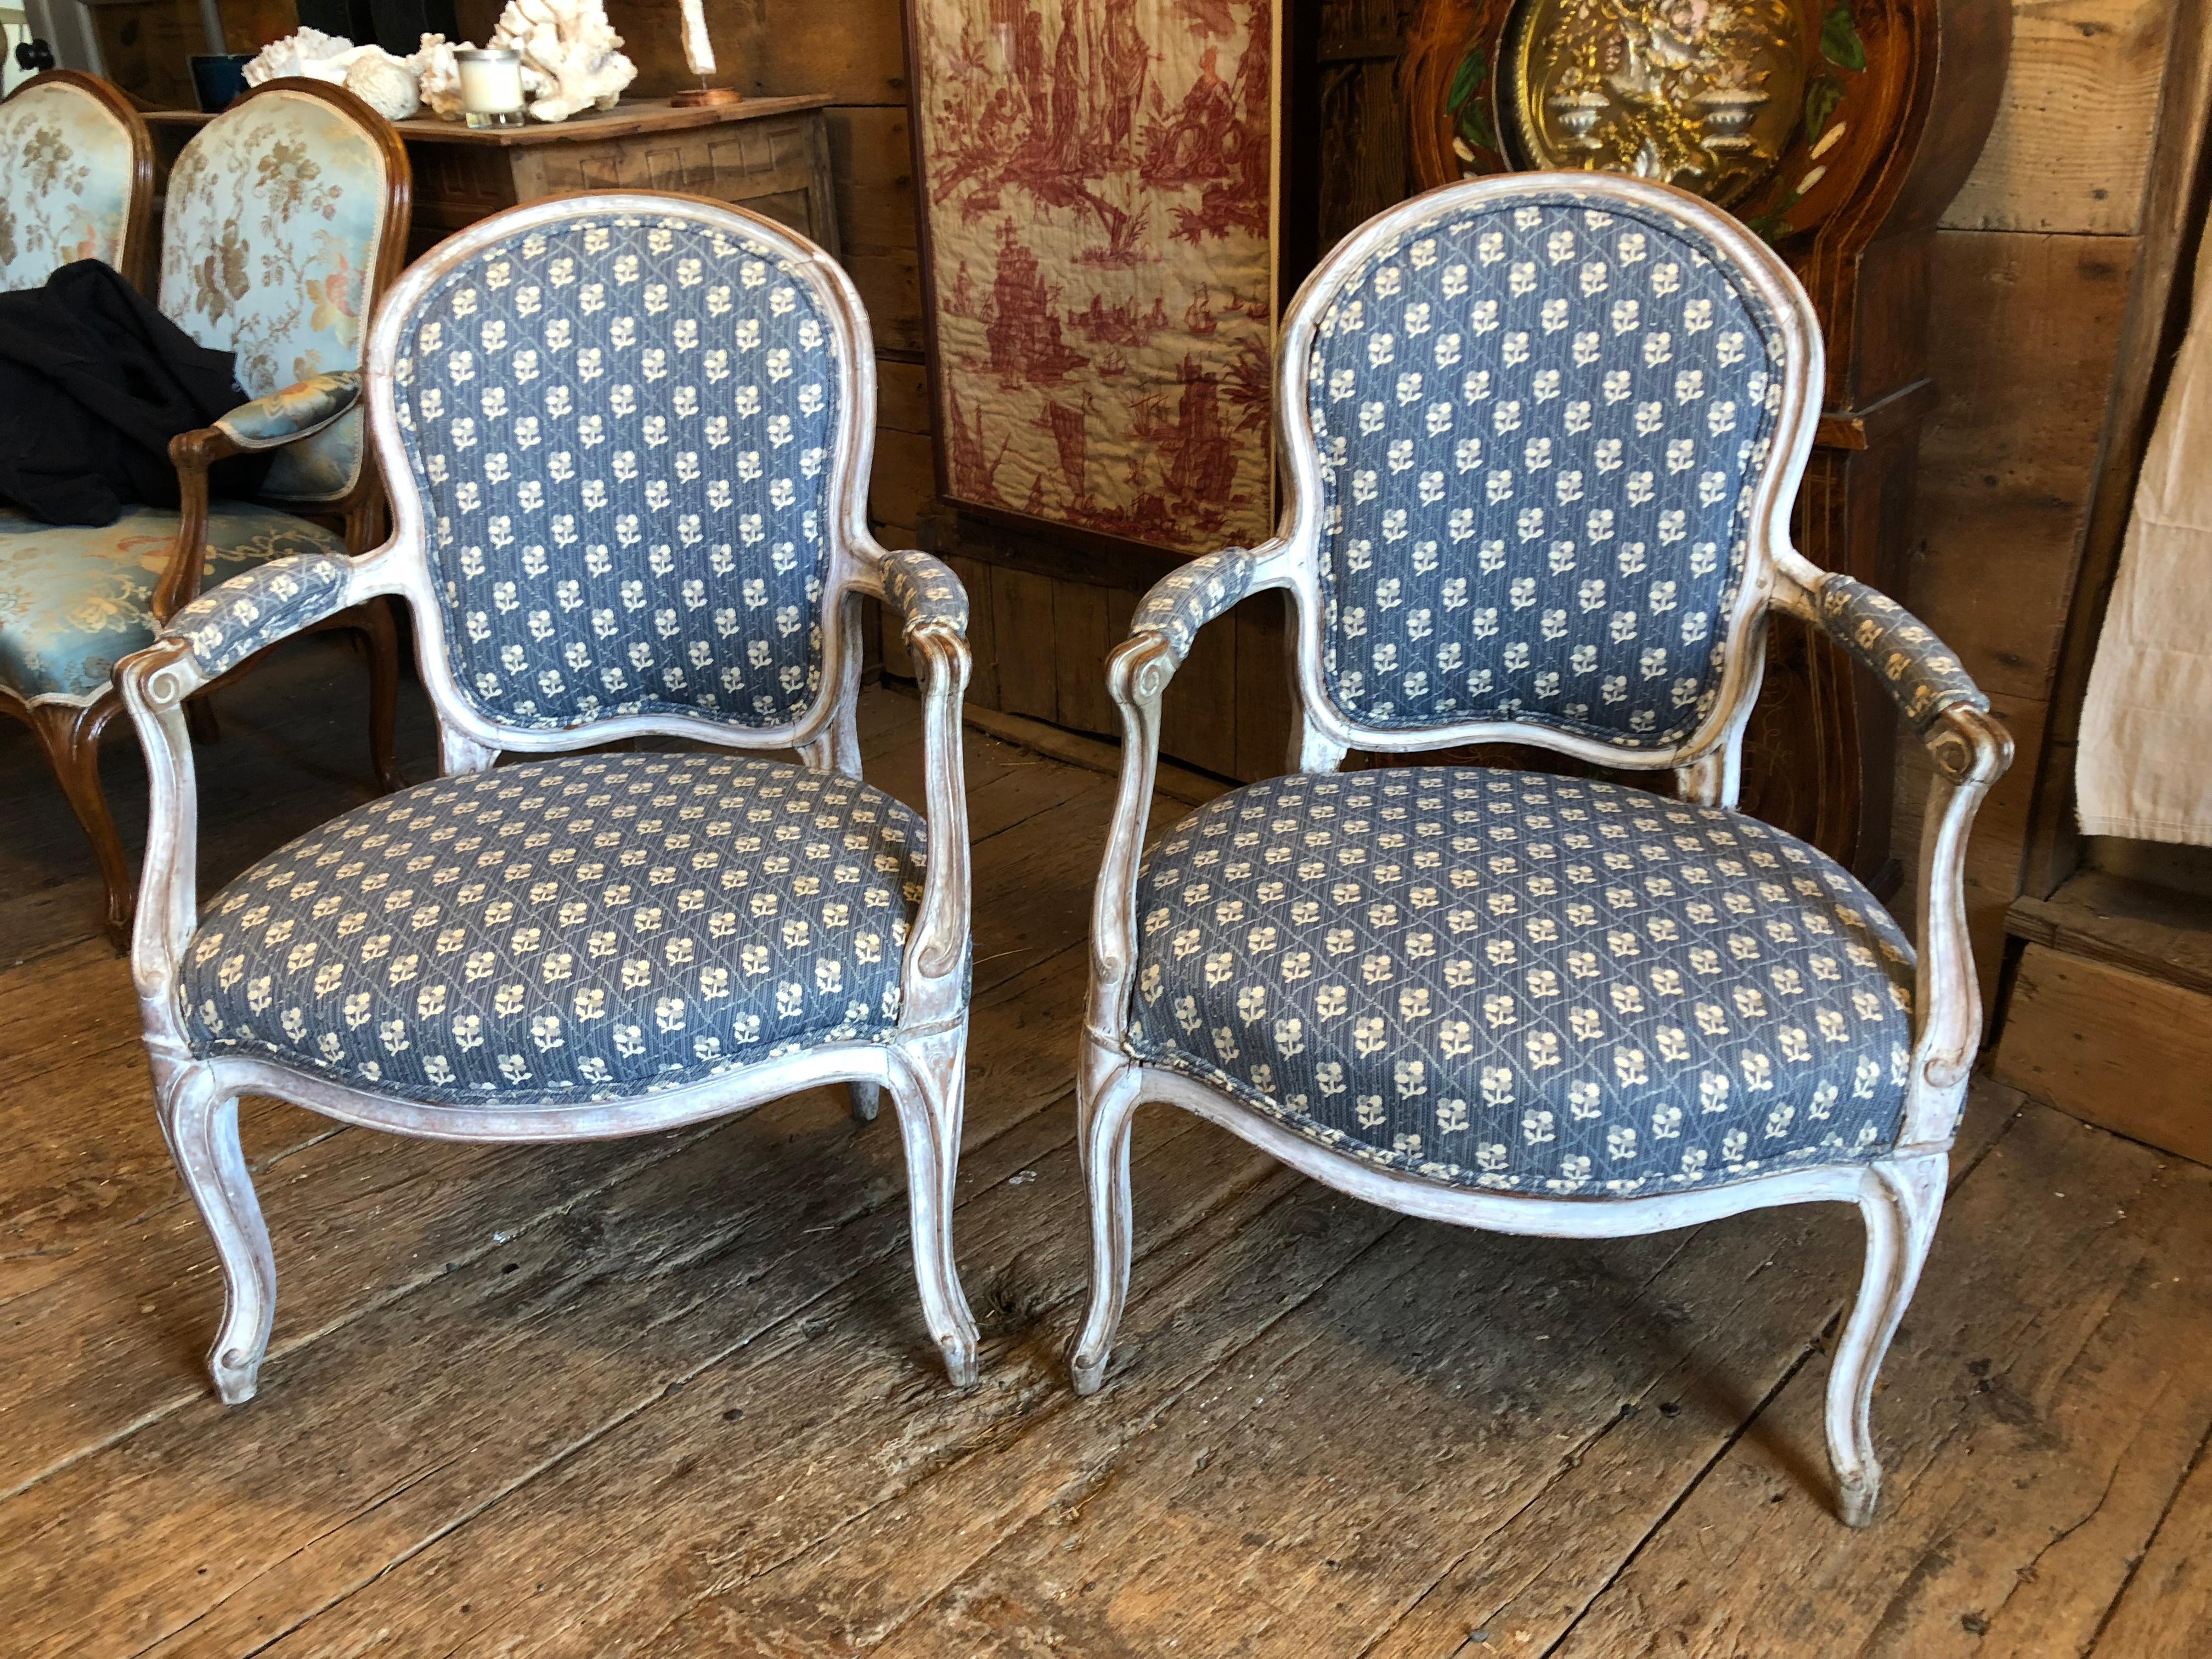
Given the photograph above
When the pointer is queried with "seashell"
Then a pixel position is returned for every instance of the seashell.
(571, 56)
(386, 84)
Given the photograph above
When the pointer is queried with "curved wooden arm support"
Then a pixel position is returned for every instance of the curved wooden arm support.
(1971, 751)
(192, 454)
(935, 981)
(155, 683)
(1137, 676)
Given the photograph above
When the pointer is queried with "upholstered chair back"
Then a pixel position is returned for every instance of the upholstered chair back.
(629, 437)
(75, 179)
(278, 219)
(1542, 422)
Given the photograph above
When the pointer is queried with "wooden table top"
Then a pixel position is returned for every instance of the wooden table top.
(632, 115)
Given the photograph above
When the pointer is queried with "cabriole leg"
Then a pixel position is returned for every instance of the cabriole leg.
(1900, 1201)
(1102, 1132)
(201, 1125)
(929, 1093)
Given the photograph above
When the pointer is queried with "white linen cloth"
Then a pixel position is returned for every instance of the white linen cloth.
(2144, 768)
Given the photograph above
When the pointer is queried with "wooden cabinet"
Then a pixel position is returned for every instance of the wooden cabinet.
(770, 154)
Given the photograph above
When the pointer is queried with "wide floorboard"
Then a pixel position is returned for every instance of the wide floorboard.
(672, 1395)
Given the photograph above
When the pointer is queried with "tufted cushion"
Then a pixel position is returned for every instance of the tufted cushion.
(77, 599)
(1505, 980)
(65, 190)
(1540, 427)
(579, 929)
(622, 430)
(271, 232)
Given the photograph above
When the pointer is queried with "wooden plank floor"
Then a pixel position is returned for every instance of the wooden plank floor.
(672, 1395)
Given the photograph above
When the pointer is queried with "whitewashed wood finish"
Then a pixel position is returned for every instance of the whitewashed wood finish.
(922, 1066)
(1899, 1195)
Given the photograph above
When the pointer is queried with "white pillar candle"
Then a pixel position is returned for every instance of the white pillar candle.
(491, 86)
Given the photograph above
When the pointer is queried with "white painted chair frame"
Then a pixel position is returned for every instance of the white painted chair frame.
(923, 1066)
(1899, 1194)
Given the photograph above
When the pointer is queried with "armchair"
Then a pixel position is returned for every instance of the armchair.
(1541, 436)
(287, 218)
(628, 437)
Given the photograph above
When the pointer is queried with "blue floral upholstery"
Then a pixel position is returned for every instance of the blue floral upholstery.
(581, 929)
(1511, 980)
(1540, 427)
(75, 601)
(1902, 652)
(622, 431)
(65, 189)
(230, 623)
(1185, 600)
(924, 591)
(285, 416)
(271, 234)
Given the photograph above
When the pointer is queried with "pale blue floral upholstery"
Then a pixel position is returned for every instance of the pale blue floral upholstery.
(621, 430)
(297, 411)
(230, 623)
(1512, 980)
(67, 165)
(75, 599)
(581, 929)
(924, 591)
(1185, 600)
(1921, 672)
(1539, 426)
(272, 228)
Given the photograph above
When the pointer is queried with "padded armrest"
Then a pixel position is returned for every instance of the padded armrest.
(1922, 673)
(298, 411)
(1185, 600)
(924, 591)
(226, 625)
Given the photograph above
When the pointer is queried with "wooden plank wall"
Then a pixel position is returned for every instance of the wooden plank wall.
(2029, 293)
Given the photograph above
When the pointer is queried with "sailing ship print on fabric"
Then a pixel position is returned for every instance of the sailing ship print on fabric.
(1099, 178)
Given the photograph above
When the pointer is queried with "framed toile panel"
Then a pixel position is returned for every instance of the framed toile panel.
(1098, 189)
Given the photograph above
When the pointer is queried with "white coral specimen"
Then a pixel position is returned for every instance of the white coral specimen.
(574, 51)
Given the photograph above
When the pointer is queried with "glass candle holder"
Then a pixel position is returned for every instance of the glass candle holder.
(491, 86)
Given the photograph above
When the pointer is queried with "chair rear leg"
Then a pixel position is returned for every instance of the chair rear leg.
(70, 734)
(867, 1100)
(382, 633)
(1900, 1201)
(201, 1125)
(1102, 1113)
(929, 1093)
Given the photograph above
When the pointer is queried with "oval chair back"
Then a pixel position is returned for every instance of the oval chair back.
(77, 180)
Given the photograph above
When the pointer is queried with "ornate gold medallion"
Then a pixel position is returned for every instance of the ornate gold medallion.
(1703, 95)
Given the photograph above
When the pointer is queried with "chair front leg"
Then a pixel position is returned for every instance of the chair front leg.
(1106, 1099)
(928, 1087)
(69, 734)
(1901, 1200)
(200, 1123)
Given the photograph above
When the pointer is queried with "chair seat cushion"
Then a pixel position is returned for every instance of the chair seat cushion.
(75, 599)
(1507, 979)
(588, 929)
